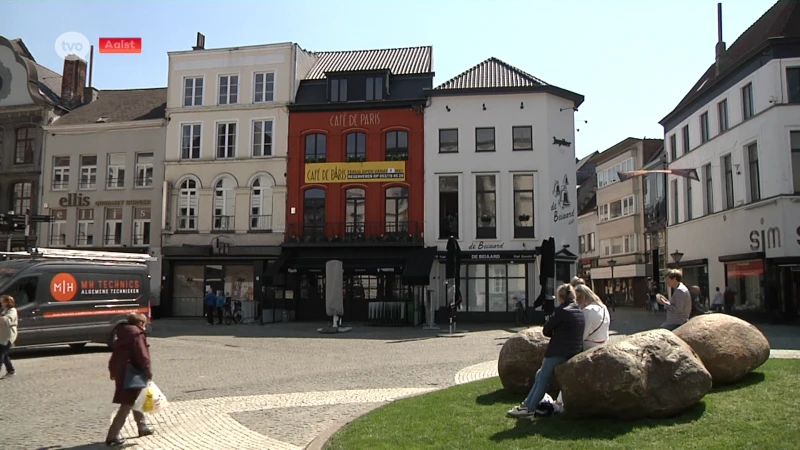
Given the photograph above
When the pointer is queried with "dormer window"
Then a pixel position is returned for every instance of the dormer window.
(374, 88)
(339, 90)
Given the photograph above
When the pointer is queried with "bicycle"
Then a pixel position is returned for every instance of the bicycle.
(234, 315)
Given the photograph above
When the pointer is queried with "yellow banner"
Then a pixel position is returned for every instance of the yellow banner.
(356, 172)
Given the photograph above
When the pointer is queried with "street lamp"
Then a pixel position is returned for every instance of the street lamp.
(676, 256)
(612, 263)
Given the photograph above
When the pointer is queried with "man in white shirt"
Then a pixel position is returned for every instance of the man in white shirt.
(718, 301)
(679, 307)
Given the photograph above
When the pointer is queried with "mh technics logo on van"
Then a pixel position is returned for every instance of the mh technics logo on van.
(64, 287)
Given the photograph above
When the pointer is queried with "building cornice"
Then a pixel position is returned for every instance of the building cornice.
(97, 127)
(225, 108)
(241, 48)
(355, 106)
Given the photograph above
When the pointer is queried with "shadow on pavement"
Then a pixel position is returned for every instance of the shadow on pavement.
(59, 350)
(95, 446)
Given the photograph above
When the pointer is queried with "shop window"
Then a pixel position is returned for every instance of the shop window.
(238, 282)
(486, 206)
(448, 206)
(314, 212)
(523, 206)
(746, 279)
(356, 147)
(397, 146)
(354, 210)
(316, 148)
(494, 287)
(397, 210)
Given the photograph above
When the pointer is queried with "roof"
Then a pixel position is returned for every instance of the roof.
(48, 81)
(399, 61)
(655, 158)
(590, 205)
(21, 48)
(625, 145)
(125, 105)
(585, 159)
(492, 73)
(782, 20)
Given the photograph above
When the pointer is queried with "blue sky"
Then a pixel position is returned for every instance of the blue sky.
(633, 60)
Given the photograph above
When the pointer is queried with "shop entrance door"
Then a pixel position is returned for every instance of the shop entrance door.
(359, 291)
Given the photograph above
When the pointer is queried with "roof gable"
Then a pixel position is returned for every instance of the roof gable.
(489, 74)
(399, 61)
(124, 105)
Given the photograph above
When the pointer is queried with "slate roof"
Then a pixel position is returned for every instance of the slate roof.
(125, 105)
(492, 73)
(399, 61)
(782, 20)
(590, 205)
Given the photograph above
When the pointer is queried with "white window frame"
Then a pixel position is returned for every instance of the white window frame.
(188, 199)
(63, 171)
(609, 176)
(253, 143)
(142, 180)
(267, 95)
(258, 205)
(227, 124)
(114, 224)
(191, 137)
(627, 244)
(91, 173)
(194, 90)
(87, 227)
(57, 228)
(118, 171)
(140, 224)
(224, 204)
(627, 208)
(226, 95)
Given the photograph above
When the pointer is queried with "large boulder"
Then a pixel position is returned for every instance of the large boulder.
(520, 358)
(729, 347)
(653, 374)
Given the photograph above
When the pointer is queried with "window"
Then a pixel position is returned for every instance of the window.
(722, 112)
(224, 204)
(709, 189)
(262, 138)
(113, 228)
(374, 88)
(141, 226)
(57, 237)
(193, 91)
(60, 173)
(484, 139)
(226, 140)
(611, 175)
(486, 206)
(187, 206)
(397, 210)
(620, 245)
(748, 109)
(116, 171)
(264, 87)
(21, 194)
(397, 146)
(625, 206)
(727, 170)
(448, 206)
(794, 141)
(686, 143)
(752, 166)
(190, 141)
(793, 84)
(84, 235)
(338, 90)
(688, 184)
(23, 148)
(316, 148)
(675, 218)
(314, 212)
(354, 211)
(523, 206)
(493, 287)
(24, 291)
(673, 148)
(356, 147)
(448, 140)
(228, 89)
(261, 203)
(144, 170)
(523, 138)
(590, 242)
(88, 172)
(705, 132)
(581, 244)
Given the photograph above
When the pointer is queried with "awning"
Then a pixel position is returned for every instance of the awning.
(418, 267)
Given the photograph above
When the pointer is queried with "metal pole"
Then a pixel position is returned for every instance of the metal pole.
(27, 227)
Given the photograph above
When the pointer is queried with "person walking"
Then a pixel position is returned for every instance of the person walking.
(8, 332)
(211, 306)
(679, 308)
(717, 303)
(220, 307)
(130, 350)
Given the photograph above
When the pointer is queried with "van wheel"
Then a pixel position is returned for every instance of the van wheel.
(78, 345)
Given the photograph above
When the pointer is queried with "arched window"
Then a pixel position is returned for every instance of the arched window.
(21, 194)
(356, 147)
(397, 209)
(224, 204)
(187, 205)
(261, 203)
(23, 145)
(397, 146)
(354, 206)
(316, 148)
(314, 212)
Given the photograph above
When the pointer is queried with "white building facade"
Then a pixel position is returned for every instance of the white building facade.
(500, 177)
(739, 226)
(225, 169)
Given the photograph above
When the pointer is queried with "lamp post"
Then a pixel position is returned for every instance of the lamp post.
(612, 263)
(677, 256)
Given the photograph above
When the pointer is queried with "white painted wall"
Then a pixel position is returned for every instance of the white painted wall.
(587, 224)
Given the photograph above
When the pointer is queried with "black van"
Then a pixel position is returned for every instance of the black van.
(66, 301)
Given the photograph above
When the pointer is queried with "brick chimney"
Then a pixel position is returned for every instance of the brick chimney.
(719, 49)
(73, 80)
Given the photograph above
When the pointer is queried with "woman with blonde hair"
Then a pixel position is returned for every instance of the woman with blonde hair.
(595, 316)
(8, 331)
(577, 281)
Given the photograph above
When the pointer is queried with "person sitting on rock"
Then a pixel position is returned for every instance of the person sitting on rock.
(679, 307)
(565, 330)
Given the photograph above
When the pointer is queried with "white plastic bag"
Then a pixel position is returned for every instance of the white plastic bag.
(151, 400)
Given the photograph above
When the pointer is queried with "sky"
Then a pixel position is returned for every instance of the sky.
(633, 60)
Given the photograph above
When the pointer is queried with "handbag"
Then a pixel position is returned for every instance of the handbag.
(134, 378)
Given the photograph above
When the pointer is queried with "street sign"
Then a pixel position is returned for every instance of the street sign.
(39, 218)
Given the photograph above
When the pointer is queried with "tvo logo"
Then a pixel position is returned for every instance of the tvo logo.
(72, 45)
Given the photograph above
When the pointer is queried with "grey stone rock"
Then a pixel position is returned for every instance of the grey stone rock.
(520, 358)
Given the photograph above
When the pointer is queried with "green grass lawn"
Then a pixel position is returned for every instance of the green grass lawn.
(762, 411)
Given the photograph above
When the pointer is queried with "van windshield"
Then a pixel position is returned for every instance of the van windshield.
(9, 269)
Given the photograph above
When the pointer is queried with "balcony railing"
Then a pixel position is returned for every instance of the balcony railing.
(143, 181)
(88, 184)
(260, 223)
(60, 185)
(57, 240)
(223, 223)
(141, 239)
(112, 239)
(84, 241)
(355, 232)
(115, 182)
(187, 223)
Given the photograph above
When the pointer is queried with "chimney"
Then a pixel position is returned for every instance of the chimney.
(720, 48)
(201, 42)
(73, 80)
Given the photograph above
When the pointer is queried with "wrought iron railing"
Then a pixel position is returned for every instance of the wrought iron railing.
(223, 223)
(143, 181)
(355, 232)
(187, 223)
(260, 223)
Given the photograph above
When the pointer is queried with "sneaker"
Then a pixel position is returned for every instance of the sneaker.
(117, 442)
(519, 412)
(8, 375)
